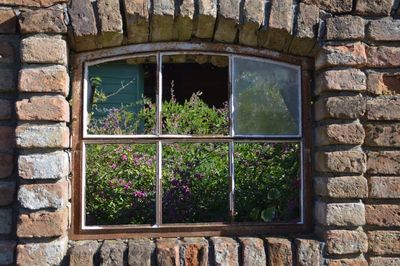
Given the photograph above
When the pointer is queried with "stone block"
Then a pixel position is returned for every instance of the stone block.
(382, 135)
(6, 221)
(42, 224)
(340, 107)
(42, 136)
(384, 242)
(43, 108)
(110, 20)
(383, 56)
(383, 83)
(280, 25)
(194, 251)
(384, 261)
(83, 23)
(332, 6)
(227, 21)
(305, 30)
(141, 252)
(39, 196)
(351, 134)
(341, 80)
(162, 20)
(340, 242)
(384, 187)
(385, 29)
(6, 165)
(8, 21)
(53, 165)
(347, 27)
(6, 109)
(183, 25)
(340, 214)
(253, 252)
(308, 252)
(205, 19)
(347, 262)
(112, 252)
(7, 192)
(7, 249)
(374, 7)
(226, 251)
(53, 79)
(341, 162)
(167, 251)
(7, 80)
(43, 50)
(383, 215)
(341, 187)
(137, 20)
(83, 253)
(383, 108)
(384, 162)
(32, 3)
(279, 251)
(345, 55)
(47, 253)
(42, 21)
(253, 18)
(7, 139)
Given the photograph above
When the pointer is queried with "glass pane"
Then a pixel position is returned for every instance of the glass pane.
(120, 184)
(195, 182)
(121, 97)
(267, 182)
(195, 95)
(266, 98)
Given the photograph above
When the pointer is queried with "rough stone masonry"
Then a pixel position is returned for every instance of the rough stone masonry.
(356, 126)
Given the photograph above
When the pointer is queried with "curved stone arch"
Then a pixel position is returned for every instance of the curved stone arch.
(276, 25)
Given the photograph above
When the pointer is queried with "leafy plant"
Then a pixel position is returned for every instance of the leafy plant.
(120, 179)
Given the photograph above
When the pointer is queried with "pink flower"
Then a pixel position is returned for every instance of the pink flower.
(124, 157)
(113, 166)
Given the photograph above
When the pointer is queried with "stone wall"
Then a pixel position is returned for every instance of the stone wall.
(356, 125)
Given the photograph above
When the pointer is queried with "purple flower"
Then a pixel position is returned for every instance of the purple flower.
(113, 166)
(140, 194)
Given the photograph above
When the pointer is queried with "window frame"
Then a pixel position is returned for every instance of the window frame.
(80, 137)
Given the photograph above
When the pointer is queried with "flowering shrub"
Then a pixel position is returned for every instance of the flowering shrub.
(120, 179)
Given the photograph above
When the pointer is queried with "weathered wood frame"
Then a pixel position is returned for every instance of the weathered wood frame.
(77, 231)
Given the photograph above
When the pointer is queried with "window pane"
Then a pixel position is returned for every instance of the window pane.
(195, 182)
(266, 98)
(267, 182)
(121, 97)
(120, 184)
(195, 95)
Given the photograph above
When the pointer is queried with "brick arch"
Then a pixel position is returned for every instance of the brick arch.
(276, 25)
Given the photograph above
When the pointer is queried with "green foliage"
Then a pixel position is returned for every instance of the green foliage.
(120, 179)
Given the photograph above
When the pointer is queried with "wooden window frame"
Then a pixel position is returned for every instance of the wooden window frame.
(79, 65)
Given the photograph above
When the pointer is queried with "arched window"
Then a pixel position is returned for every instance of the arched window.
(190, 139)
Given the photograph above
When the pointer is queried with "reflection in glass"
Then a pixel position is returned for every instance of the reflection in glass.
(121, 97)
(266, 98)
(267, 182)
(120, 184)
(195, 95)
(195, 182)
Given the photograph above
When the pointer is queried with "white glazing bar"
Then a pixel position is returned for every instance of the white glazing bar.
(159, 185)
(231, 145)
(83, 191)
(159, 143)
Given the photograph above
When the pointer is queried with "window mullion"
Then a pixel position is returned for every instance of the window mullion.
(159, 143)
(231, 145)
